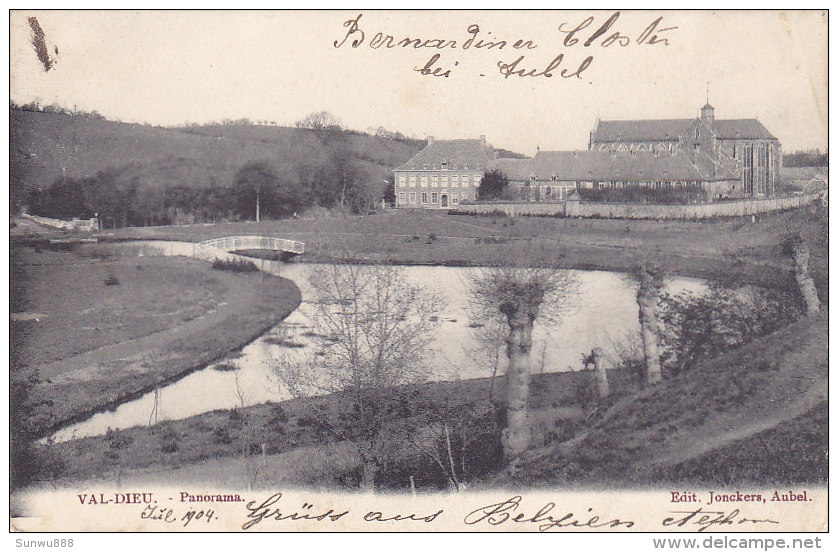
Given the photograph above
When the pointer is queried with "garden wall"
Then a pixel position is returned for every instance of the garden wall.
(574, 208)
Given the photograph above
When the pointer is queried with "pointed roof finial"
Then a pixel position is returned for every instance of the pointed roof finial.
(708, 92)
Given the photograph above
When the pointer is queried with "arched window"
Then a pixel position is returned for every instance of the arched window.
(697, 133)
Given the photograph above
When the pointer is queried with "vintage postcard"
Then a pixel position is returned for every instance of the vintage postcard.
(419, 271)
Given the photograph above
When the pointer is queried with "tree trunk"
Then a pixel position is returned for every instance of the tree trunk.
(601, 375)
(515, 438)
(804, 280)
(647, 301)
(368, 469)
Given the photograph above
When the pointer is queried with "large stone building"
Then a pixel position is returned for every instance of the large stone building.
(443, 174)
(726, 158)
(715, 147)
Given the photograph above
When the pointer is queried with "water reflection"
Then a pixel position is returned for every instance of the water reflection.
(600, 312)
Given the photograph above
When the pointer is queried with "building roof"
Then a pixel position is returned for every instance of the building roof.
(459, 154)
(742, 128)
(593, 165)
(515, 169)
(671, 129)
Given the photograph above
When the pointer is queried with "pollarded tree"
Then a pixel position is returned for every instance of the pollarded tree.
(376, 327)
(518, 289)
(650, 280)
(794, 245)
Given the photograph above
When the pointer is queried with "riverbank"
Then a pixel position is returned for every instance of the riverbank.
(714, 425)
(100, 330)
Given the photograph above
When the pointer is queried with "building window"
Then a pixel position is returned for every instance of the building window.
(455, 197)
(533, 178)
(413, 197)
(444, 166)
(402, 181)
(434, 181)
(443, 180)
(413, 179)
(424, 180)
(477, 178)
(455, 180)
(433, 197)
(424, 197)
(697, 133)
(401, 197)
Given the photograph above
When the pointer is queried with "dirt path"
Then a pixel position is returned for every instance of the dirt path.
(701, 443)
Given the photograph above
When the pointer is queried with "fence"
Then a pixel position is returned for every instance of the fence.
(576, 208)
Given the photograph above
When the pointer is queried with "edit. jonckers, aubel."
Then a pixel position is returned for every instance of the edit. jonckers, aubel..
(115, 498)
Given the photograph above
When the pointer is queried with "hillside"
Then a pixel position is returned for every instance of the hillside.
(752, 416)
(45, 146)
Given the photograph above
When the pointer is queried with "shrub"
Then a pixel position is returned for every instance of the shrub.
(170, 438)
(682, 195)
(696, 326)
(235, 265)
(112, 280)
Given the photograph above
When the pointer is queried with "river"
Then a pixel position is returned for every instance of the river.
(598, 311)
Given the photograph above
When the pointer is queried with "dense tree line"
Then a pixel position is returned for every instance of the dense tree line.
(259, 190)
(806, 159)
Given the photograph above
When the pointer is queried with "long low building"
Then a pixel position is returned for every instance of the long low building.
(552, 175)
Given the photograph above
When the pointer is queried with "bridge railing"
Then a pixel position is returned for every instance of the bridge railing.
(236, 243)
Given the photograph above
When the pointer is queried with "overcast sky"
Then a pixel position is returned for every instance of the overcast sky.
(174, 67)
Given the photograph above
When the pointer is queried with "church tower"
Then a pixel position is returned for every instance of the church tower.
(708, 115)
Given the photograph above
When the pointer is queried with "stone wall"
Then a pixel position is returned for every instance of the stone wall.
(575, 208)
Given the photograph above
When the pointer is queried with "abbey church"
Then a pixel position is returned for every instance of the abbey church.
(727, 158)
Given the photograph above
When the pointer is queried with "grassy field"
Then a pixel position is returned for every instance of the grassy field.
(699, 426)
(741, 248)
(100, 329)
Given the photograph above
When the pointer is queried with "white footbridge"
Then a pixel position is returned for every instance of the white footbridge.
(241, 243)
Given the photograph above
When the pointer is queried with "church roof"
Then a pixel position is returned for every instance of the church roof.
(671, 129)
(458, 154)
(742, 128)
(594, 165)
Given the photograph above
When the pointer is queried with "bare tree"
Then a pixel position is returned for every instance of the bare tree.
(523, 282)
(376, 327)
(321, 120)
